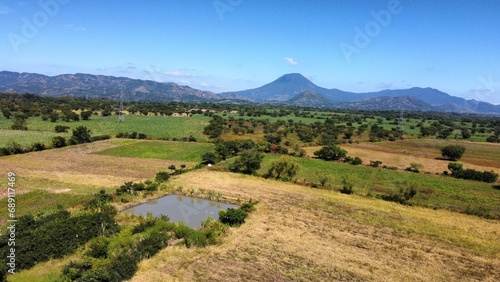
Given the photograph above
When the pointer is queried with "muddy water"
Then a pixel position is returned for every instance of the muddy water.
(191, 211)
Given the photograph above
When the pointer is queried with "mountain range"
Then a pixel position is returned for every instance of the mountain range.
(290, 89)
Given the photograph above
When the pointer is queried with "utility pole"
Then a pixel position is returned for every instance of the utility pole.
(121, 116)
(401, 122)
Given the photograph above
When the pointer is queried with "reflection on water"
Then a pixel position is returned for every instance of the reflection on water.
(191, 211)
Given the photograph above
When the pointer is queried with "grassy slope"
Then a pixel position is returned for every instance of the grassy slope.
(433, 191)
(307, 234)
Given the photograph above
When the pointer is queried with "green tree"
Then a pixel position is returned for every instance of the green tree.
(162, 176)
(58, 142)
(19, 122)
(453, 152)
(61, 128)
(6, 113)
(455, 167)
(86, 115)
(284, 168)
(466, 133)
(81, 135)
(210, 158)
(347, 185)
(248, 162)
(53, 116)
(331, 153)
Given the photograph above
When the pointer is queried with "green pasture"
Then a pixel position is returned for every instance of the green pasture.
(153, 126)
(167, 150)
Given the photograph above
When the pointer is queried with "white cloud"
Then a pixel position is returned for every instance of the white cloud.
(291, 61)
(186, 82)
(177, 74)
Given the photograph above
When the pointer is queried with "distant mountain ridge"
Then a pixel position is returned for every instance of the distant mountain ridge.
(100, 86)
(290, 89)
(290, 85)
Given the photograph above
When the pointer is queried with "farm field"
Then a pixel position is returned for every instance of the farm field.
(478, 155)
(153, 126)
(173, 150)
(433, 191)
(78, 170)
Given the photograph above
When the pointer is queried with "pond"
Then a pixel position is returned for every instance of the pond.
(191, 211)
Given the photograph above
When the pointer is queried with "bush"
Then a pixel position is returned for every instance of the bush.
(455, 167)
(80, 135)
(347, 186)
(86, 115)
(152, 244)
(37, 146)
(19, 122)
(162, 176)
(453, 152)
(331, 153)
(457, 171)
(61, 129)
(122, 135)
(14, 148)
(284, 168)
(375, 163)
(54, 236)
(353, 161)
(233, 217)
(58, 142)
(402, 197)
(414, 167)
(98, 248)
(472, 174)
(248, 163)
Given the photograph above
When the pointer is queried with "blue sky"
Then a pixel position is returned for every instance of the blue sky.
(228, 45)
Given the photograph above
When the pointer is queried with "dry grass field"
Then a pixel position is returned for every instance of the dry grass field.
(303, 234)
(77, 170)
